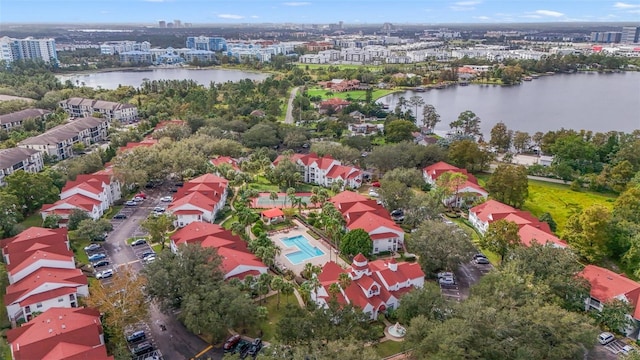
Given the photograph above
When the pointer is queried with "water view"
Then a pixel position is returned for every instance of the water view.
(597, 102)
(112, 79)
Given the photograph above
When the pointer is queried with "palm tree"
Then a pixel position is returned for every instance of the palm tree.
(344, 280)
(237, 228)
(297, 201)
(291, 193)
(287, 289)
(334, 290)
(264, 280)
(277, 283)
(273, 196)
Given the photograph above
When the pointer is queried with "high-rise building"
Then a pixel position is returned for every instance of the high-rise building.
(206, 43)
(28, 49)
(162, 24)
(177, 23)
(630, 34)
(606, 37)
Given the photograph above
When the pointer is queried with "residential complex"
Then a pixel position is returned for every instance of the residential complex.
(118, 47)
(15, 159)
(60, 333)
(324, 171)
(360, 212)
(28, 49)
(58, 142)
(80, 107)
(199, 199)
(237, 260)
(206, 43)
(466, 192)
(14, 120)
(91, 193)
(374, 286)
(530, 228)
(630, 35)
(42, 273)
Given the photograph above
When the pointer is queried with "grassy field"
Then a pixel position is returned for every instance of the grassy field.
(560, 201)
(354, 95)
(267, 327)
(388, 348)
(33, 220)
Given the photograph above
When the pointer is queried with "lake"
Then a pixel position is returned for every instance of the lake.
(112, 79)
(597, 102)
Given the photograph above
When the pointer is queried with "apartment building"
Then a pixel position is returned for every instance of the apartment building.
(324, 171)
(28, 49)
(58, 142)
(199, 199)
(81, 107)
(118, 47)
(42, 273)
(466, 192)
(15, 159)
(14, 120)
(206, 43)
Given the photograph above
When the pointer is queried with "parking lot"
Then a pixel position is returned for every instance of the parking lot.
(467, 275)
(153, 353)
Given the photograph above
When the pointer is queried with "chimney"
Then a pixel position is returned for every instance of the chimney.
(63, 326)
(60, 317)
(50, 331)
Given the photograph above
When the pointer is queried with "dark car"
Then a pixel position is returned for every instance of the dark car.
(138, 242)
(136, 336)
(231, 343)
(142, 348)
(146, 254)
(242, 348)
(120, 216)
(96, 257)
(479, 255)
(255, 347)
(100, 263)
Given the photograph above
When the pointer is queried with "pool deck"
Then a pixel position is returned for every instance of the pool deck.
(282, 260)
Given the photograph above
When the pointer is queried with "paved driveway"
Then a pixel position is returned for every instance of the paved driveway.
(176, 342)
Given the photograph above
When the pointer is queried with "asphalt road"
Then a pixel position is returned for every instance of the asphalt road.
(176, 342)
(288, 118)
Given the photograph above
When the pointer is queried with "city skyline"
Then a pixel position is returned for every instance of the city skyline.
(317, 11)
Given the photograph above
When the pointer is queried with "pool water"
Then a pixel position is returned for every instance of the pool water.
(305, 250)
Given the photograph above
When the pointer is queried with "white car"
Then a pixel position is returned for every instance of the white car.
(149, 259)
(166, 199)
(104, 274)
(373, 193)
(605, 338)
(627, 349)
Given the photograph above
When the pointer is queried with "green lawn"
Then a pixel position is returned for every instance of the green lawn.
(157, 248)
(33, 220)
(354, 95)
(227, 224)
(560, 201)
(261, 184)
(268, 326)
(388, 348)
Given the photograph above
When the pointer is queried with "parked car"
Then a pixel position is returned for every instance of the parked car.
(141, 195)
(104, 274)
(142, 348)
(627, 349)
(131, 203)
(482, 261)
(149, 259)
(137, 242)
(120, 216)
(99, 263)
(96, 257)
(479, 255)
(92, 247)
(136, 336)
(166, 199)
(605, 338)
(373, 193)
(231, 343)
(146, 254)
(138, 199)
(242, 349)
(445, 274)
(375, 184)
(255, 347)
(447, 281)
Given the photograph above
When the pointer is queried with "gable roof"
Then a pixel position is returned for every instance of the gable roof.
(606, 285)
(272, 213)
(60, 333)
(22, 115)
(33, 235)
(490, 207)
(45, 277)
(10, 157)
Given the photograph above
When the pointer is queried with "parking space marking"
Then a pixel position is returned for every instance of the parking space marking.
(202, 352)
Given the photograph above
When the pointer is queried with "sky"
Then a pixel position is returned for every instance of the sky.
(316, 11)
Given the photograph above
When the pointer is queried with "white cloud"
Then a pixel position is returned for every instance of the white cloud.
(230, 16)
(296, 3)
(625, 6)
(550, 13)
(483, 18)
(464, 5)
(255, 17)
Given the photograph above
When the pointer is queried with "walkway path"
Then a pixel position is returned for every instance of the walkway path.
(288, 118)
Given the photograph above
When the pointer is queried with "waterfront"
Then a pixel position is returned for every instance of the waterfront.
(597, 102)
(112, 79)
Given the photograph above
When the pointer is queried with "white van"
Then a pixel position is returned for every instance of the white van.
(605, 338)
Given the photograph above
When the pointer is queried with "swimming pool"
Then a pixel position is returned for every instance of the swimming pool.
(305, 250)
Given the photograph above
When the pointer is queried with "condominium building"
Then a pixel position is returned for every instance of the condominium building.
(630, 34)
(28, 49)
(58, 142)
(206, 43)
(81, 107)
(118, 47)
(135, 57)
(14, 159)
(14, 120)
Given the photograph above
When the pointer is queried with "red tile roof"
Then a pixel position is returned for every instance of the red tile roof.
(330, 273)
(347, 197)
(18, 263)
(489, 208)
(272, 213)
(606, 285)
(225, 160)
(232, 259)
(75, 201)
(530, 233)
(44, 279)
(60, 333)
